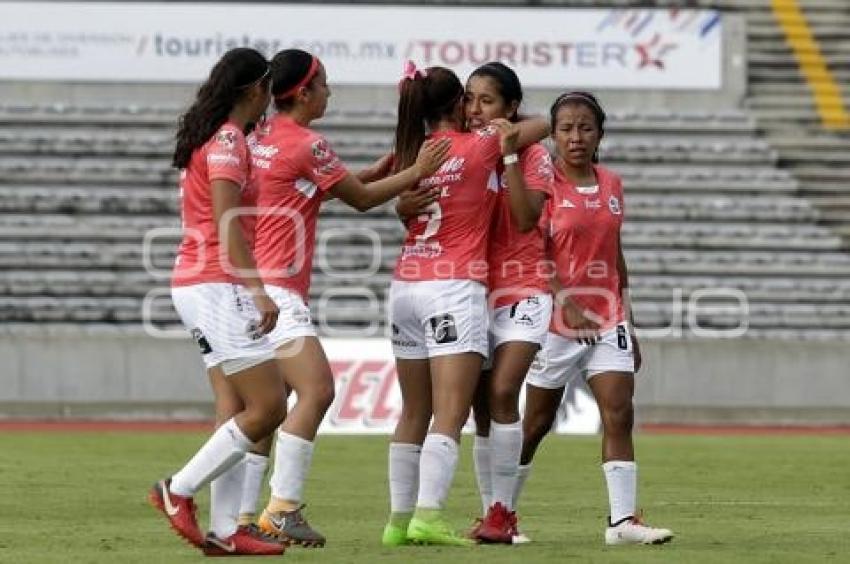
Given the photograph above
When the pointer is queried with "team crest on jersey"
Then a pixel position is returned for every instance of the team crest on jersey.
(614, 205)
(321, 150)
(226, 138)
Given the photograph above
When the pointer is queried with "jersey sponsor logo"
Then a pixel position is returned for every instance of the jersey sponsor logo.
(262, 151)
(425, 249)
(226, 138)
(451, 165)
(199, 338)
(223, 159)
(614, 205)
(593, 204)
(444, 328)
(587, 190)
(565, 203)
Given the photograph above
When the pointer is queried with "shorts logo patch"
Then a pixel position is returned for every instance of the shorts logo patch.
(253, 330)
(301, 316)
(525, 320)
(444, 328)
(201, 340)
(622, 338)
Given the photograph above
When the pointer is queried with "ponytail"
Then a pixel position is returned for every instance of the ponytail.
(424, 99)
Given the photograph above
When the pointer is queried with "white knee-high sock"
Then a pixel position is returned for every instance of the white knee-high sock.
(404, 476)
(255, 469)
(292, 459)
(505, 449)
(483, 470)
(621, 477)
(225, 495)
(437, 466)
(522, 476)
(222, 450)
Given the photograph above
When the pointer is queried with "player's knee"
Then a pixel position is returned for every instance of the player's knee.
(618, 417)
(504, 402)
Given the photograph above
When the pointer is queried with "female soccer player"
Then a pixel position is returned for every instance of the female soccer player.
(519, 301)
(294, 170)
(218, 294)
(592, 330)
(437, 307)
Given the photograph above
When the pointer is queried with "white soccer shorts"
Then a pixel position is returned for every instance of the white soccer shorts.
(222, 320)
(525, 321)
(438, 317)
(294, 320)
(562, 359)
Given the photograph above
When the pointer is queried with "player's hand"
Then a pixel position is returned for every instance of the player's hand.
(508, 135)
(636, 352)
(416, 201)
(580, 322)
(268, 311)
(432, 154)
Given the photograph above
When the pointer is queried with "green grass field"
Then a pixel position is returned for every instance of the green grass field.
(80, 497)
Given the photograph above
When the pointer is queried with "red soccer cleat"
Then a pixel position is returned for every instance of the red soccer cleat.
(246, 541)
(179, 510)
(497, 527)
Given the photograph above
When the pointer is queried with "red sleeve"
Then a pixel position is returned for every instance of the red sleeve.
(227, 156)
(536, 165)
(321, 164)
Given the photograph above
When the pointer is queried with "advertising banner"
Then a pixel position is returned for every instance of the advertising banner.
(368, 399)
(362, 44)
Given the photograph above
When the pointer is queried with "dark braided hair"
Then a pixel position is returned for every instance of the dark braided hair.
(237, 70)
(586, 99)
(510, 88)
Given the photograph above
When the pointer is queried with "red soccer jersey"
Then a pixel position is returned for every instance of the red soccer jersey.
(200, 257)
(584, 233)
(293, 167)
(450, 241)
(516, 259)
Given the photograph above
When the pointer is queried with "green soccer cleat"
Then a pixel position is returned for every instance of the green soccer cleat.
(429, 527)
(394, 535)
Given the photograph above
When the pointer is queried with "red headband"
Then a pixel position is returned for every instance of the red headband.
(314, 67)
